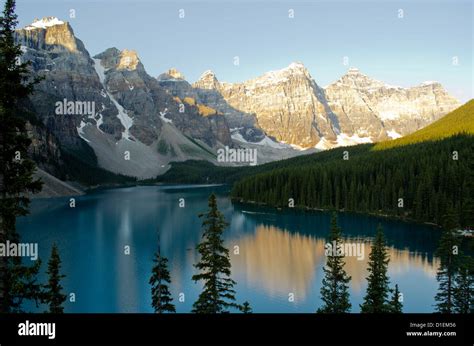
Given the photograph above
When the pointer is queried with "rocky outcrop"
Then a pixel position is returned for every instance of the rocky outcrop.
(287, 104)
(210, 92)
(175, 83)
(110, 103)
(369, 108)
(110, 99)
(68, 72)
(44, 149)
(148, 104)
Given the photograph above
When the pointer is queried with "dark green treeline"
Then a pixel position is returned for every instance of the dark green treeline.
(420, 182)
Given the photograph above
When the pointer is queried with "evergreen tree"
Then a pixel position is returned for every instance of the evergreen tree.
(468, 214)
(463, 295)
(245, 308)
(218, 294)
(16, 282)
(375, 300)
(448, 253)
(159, 280)
(24, 284)
(335, 287)
(53, 295)
(396, 305)
(373, 180)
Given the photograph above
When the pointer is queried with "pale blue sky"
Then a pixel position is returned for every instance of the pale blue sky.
(406, 52)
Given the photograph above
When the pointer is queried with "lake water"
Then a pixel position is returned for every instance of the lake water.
(281, 253)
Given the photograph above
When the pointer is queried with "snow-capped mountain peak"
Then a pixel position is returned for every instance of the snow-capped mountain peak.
(430, 83)
(373, 109)
(297, 65)
(353, 71)
(293, 68)
(208, 80)
(357, 79)
(50, 32)
(44, 23)
(208, 74)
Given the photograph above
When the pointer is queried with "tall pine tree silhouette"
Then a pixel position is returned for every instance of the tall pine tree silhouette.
(214, 266)
(246, 308)
(53, 295)
(159, 280)
(17, 282)
(449, 256)
(375, 300)
(335, 288)
(396, 305)
(463, 294)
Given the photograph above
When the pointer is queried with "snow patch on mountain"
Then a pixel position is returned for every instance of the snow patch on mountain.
(207, 74)
(343, 140)
(122, 115)
(126, 121)
(393, 134)
(297, 147)
(100, 70)
(389, 115)
(80, 131)
(279, 76)
(266, 141)
(44, 23)
(100, 121)
(429, 82)
(324, 144)
(166, 120)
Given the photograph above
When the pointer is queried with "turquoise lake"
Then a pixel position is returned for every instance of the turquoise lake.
(277, 255)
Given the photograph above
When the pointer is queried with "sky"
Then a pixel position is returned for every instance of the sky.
(404, 42)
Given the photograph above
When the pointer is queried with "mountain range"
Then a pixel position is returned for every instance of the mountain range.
(130, 123)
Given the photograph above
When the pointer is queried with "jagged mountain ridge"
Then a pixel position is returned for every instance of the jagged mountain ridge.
(458, 122)
(131, 112)
(289, 105)
(368, 107)
(164, 119)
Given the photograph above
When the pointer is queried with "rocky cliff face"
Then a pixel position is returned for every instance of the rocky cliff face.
(287, 104)
(207, 92)
(111, 104)
(290, 106)
(45, 149)
(369, 108)
(111, 99)
(68, 72)
(146, 105)
(201, 118)
(176, 84)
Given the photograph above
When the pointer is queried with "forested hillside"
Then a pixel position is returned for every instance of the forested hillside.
(422, 181)
(461, 120)
(202, 172)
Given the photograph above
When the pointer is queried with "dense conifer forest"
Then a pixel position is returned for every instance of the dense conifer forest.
(461, 120)
(422, 181)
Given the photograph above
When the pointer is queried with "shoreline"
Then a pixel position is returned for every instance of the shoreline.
(96, 188)
(312, 210)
